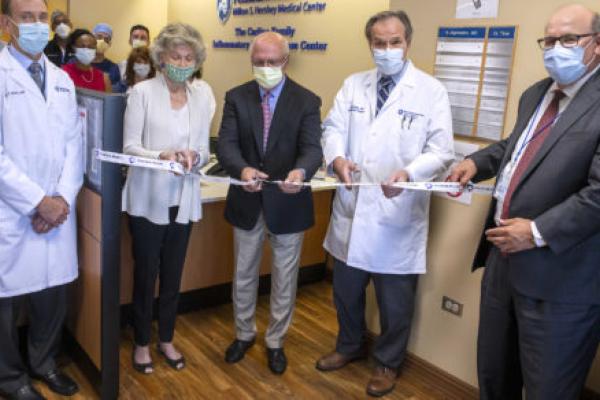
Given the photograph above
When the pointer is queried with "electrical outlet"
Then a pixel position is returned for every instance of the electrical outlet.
(452, 306)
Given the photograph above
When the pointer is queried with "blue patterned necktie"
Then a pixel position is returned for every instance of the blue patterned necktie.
(385, 86)
(35, 70)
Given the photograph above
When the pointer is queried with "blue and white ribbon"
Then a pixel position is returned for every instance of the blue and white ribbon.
(175, 167)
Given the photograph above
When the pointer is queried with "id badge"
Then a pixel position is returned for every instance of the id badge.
(503, 182)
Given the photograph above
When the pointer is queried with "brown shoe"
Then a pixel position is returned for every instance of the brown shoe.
(382, 382)
(335, 360)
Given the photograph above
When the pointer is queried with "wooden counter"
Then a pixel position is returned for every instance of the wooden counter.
(209, 260)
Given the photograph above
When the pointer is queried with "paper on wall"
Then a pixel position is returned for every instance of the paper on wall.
(461, 150)
(471, 9)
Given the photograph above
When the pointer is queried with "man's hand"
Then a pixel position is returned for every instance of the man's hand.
(250, 174)
(463, 172)
(390, 191)
(343, 169)
(513, 235)
(291, 184)
(54, 210)
(187, 158)
(39, 225)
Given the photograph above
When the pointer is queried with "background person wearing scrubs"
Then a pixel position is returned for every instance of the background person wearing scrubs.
(103, 33)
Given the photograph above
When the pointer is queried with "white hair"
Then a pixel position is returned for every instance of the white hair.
(174, 35)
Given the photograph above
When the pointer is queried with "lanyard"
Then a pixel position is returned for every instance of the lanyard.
(528, 139)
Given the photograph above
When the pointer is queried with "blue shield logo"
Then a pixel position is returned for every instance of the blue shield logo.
(223, 10)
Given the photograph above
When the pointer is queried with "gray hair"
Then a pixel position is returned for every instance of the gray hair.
(174, 35)
(596, 23)
(384, 15)
(57, 14)
(285, 46)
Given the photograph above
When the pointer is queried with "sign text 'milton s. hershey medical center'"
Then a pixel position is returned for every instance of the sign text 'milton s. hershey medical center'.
(245, 9)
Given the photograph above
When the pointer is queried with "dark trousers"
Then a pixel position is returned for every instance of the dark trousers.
(158, 251)
(395, 299)
(47, 311)
(547, 347)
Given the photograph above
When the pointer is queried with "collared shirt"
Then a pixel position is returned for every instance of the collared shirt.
(26, 61)
(273, 94)
(570, 93)
(396, 77)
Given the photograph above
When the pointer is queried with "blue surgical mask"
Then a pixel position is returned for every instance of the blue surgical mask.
(565, 64)
(389, 61)
(33, 37)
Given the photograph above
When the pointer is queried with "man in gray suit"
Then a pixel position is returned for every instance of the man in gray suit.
(540, 295)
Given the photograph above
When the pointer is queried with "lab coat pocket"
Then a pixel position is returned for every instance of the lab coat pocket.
(396, 212)
(12, 233)
(346, 200)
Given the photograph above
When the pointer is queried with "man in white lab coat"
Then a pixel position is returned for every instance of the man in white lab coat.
(40, 176)
(390, 124)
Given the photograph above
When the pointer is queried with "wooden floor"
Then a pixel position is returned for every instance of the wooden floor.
(203, 337)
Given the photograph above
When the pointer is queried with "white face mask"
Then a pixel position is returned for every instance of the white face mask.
(63, 30)
(389, 61)
(268, 77)
(135, 43)
(85, 55)
(141, 70)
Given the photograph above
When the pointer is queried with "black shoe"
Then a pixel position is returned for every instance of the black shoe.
(236, 351)
(277, 360)
(27, 392)
(59, 383)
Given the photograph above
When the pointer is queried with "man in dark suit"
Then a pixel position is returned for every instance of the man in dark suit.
(540, 295)
(271, 130)
(56, 50)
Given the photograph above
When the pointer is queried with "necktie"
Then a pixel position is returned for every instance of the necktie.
(35, 70)
(541, 132)
(266, 110)
(386, 85)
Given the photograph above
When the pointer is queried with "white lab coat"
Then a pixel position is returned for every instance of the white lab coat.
(40, 154)
(367, 230)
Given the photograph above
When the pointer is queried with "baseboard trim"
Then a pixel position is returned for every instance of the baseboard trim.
(449, 386)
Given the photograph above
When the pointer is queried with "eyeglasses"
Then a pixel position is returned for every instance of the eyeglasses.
(269, 63)
(569, 40)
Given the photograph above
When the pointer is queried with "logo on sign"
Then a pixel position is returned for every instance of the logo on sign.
(223, 10)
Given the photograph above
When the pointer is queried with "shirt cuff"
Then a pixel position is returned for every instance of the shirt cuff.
(537, 236)
(303, 173)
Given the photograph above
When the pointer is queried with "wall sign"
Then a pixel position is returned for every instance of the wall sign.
(475, 64)
(245, 9)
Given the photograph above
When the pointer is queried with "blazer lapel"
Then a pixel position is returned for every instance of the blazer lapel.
(531, 104)
(282, 110)
(583, 101)
(255, 114)
(50, 81)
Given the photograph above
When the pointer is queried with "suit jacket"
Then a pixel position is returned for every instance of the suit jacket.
(294, 142)
(54, 53)
(560, 191)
